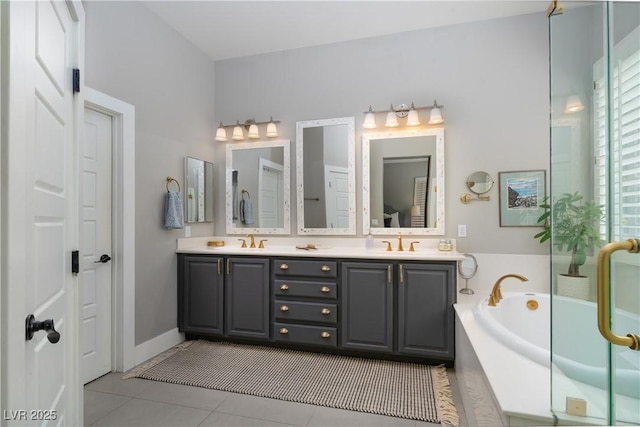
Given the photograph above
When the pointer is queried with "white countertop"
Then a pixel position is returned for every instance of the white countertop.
(425, 249)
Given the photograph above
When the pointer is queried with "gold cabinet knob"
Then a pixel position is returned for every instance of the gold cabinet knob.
(284, 267)
(284, 287)
(325, 268)
(284, 331)
(325, 335)
(325, 311)
(325, 290)
(284, 308)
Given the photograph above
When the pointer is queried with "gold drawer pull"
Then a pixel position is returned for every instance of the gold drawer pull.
(284, 331)
(284, 267)
(325, 311)
(284, 287)
(325, 335)
(325, 290)
(325, 268)
(284, 308)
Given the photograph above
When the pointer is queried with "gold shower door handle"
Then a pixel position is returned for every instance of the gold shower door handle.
(604, 316)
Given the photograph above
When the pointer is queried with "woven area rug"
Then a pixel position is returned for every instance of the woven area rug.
(399, 389)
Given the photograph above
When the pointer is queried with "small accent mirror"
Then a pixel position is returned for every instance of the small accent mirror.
(198, 191)
(479, 183)
(467, 268)
(258, 188)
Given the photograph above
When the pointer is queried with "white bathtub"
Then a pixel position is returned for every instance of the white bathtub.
(579, 351)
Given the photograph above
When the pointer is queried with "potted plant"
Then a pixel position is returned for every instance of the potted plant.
(572, 224)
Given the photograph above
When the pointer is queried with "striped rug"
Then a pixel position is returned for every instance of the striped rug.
(398, 389)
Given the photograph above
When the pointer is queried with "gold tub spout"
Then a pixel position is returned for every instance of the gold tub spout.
(496, 294)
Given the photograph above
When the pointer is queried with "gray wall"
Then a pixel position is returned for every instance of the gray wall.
(492, 77)
(133, 56)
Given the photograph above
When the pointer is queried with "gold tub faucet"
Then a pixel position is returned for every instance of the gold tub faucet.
(496, 294)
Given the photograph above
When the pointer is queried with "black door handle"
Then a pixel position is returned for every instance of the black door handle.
(33, 326)
(104, 258)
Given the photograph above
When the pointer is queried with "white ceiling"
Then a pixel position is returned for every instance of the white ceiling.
(229, 29)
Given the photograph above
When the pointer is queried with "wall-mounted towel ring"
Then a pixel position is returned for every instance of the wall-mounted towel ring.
(247, 193)
(169, 179)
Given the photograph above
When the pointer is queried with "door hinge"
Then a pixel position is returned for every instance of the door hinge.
(76, 80)
(75, 262)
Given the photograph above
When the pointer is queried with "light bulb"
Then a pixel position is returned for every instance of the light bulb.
(221, 133)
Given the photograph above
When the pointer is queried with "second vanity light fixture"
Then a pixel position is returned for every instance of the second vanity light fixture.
(251, 126)
(403, 110)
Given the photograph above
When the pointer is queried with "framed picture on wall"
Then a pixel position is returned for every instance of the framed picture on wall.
(521, 194)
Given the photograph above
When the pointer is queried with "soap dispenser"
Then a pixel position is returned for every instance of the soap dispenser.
(369, 241)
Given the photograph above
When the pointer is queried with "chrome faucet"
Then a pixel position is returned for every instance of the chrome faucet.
(253, 242)
(496, 294)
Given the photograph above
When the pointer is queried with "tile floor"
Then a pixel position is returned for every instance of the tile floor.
(111, 401)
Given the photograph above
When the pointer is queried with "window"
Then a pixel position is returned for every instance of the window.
(622, 193)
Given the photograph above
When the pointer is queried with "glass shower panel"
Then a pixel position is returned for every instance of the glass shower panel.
(595, 176)
(623, 202)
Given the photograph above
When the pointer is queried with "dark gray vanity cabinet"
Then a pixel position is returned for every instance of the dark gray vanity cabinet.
(426, 294)
(247, 298)
(305, 305)
(200, 294)
(404, 308)
(367, 306)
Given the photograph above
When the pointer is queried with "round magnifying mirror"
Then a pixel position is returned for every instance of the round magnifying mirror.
(479, 182)
(467, 269)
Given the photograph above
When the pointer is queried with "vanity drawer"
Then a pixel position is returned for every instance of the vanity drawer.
(303, 334)
(305, 311)
(298, 288)
(308, 268)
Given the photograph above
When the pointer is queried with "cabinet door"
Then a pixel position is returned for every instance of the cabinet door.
(366, 306)
(247, 297)
(200, 294)
(426, 293)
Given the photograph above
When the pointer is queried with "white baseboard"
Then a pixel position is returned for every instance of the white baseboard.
(157, 345)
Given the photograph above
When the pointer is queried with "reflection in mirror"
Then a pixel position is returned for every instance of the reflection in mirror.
(199, 190)
(479, 182)
(403, 182)
(258, 187)
(325, 163)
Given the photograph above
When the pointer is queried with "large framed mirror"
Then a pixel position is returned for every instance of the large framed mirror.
(199, 190)
(258, 188)
(403, 182)
(325, 166)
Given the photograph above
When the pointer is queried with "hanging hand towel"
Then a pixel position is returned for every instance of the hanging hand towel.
(247, 212)
(173, 210)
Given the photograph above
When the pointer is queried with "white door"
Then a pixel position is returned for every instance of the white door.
(40, 380)
(96, 253)
(337, 196)
(270, 189)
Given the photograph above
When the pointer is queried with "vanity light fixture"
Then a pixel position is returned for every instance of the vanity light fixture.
(435, 117)
(252, 127)
(272, 129)
(221, 133)
(238, 134)
(402, 111)
(392, 120)
(573, 105)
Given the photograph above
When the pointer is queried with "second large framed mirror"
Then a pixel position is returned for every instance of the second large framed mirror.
(325, 164)
(258, 188)
(403, 182)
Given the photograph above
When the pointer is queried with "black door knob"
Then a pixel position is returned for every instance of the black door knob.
(103, 259)
(33, 326)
